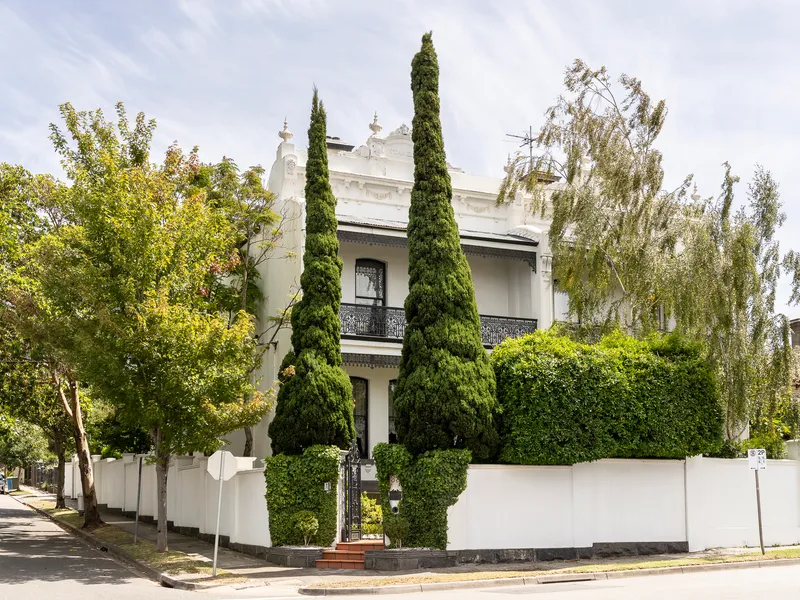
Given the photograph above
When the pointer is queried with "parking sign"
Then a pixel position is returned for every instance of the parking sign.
(757, 459)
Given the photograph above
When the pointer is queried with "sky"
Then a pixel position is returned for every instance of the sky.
(225, 74)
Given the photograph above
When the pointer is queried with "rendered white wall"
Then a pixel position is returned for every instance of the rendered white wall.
(708, 502)
(722, 503)
(191, 495)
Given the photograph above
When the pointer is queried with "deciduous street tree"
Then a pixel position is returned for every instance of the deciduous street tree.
(445, 394)
(134, 271)
(315, 399)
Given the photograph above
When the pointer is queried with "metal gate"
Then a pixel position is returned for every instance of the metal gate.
(351, 498)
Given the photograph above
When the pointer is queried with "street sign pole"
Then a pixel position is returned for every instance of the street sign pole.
(138, 503)
(219, 512)
(757, 461)
(758, 503)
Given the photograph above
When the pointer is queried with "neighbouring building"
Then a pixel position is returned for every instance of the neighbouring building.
(506, 247)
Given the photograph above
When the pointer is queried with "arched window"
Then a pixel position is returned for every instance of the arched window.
(370, 282)
(392, 428)
(361, 414)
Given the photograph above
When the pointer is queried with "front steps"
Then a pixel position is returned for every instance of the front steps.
(348, 555)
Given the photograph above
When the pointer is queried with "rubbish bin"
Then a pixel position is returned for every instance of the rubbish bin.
(12, 484)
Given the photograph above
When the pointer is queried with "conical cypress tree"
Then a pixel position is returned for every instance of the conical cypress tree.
(315, 399)
(445, 394)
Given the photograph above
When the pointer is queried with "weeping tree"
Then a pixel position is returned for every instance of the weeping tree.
(631, 254)
(315, 398)
(723, 291)
(614, 229)
(445, 393)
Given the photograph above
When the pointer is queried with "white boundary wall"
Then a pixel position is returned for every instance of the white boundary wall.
(191, 494)
(706, 502)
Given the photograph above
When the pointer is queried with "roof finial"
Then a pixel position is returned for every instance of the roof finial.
(285, 135)
(695, 195)
(374, 126)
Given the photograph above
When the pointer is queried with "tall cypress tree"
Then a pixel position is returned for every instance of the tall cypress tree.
(315, 399)
(445, 394)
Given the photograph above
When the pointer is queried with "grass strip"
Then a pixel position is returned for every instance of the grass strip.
(172, 562)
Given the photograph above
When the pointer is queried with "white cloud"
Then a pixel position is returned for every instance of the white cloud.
(225, 74)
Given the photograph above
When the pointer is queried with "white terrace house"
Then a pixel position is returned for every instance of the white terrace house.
(506, 248)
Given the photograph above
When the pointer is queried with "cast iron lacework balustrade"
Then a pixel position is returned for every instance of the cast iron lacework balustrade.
(386, 323)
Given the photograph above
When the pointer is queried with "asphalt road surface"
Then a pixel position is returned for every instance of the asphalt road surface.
(40, 561)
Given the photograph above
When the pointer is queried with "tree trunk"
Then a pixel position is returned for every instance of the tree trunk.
(162, 471)
(248, 431)
(91, 511)
(59, 448)
(248, 441)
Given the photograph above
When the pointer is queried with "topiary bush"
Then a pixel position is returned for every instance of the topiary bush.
(315, 398)
(431, 484)
(296, 484)
(397, 529)
(445, 393)
(307, 524)
(564, 402)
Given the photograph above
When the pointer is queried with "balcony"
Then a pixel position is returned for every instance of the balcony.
(388, 324)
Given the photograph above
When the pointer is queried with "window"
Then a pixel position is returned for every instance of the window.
(392, 429)
(361, 414)
(370, 282)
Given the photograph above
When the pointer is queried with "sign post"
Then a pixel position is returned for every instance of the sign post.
(757, 461)
(138, 502)
(222, 466)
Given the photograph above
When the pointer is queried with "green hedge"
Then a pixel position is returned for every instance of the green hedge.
(431, 483)
(564, 402)
(297, 483)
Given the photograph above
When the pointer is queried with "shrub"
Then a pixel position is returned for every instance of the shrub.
(565, 402)
(431, 484)
(297, 483)
(307, 524)
(371, 516)
(396, 527)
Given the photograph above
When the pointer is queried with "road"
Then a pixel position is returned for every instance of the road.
(39, 561)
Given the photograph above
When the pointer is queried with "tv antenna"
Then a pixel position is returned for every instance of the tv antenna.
(527, 140)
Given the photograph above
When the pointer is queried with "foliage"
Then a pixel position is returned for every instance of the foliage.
(630, 254)
(724, 292)
(445, 394)
(297, 483)
(397, 529)
(431, 483)
(614, 230)
(111, 436)
(133, 271)
(306, 524)
(22, 444)
(566, 402)
(315, 399)
(371, 516)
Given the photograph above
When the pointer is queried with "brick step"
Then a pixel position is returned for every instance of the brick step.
(340, 564)
(342, 555)
(360, 546)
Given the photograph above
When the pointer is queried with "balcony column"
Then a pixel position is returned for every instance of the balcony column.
(546, 292)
